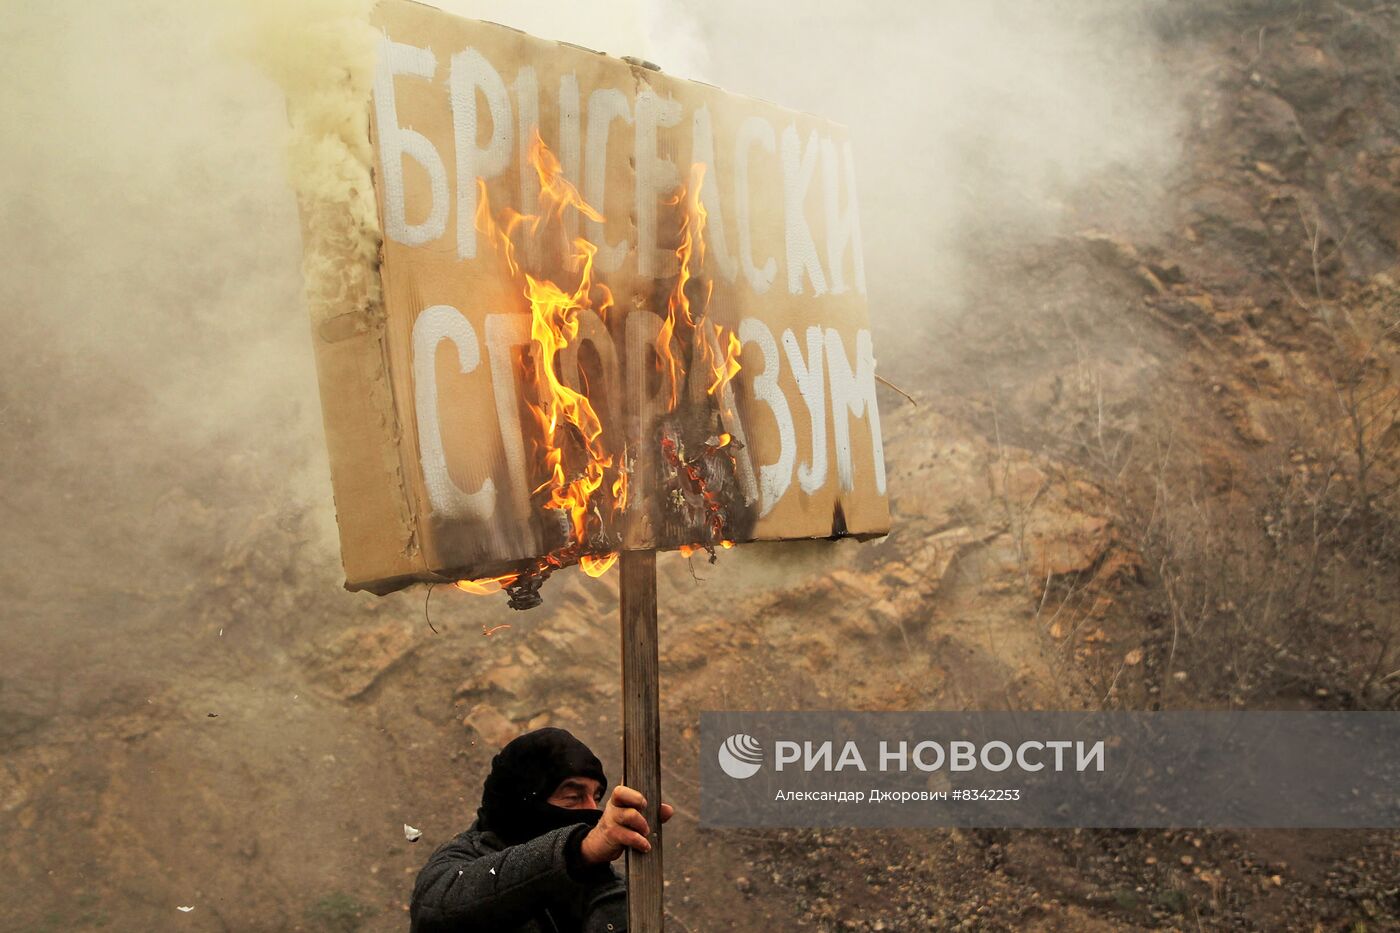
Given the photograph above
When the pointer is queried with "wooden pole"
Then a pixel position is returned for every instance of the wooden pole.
(641, 732)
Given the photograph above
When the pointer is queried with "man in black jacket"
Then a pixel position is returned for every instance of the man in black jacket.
(537, 858)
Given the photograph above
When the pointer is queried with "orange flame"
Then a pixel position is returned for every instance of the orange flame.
(597, 566)
(486, 585)
(569, 450)
(563, 414)
(727, 368)
(691, 250)
(576, 472)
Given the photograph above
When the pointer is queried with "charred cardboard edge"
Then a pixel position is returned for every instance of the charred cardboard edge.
(448, 576)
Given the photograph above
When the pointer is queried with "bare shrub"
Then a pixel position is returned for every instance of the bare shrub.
(1274, 574)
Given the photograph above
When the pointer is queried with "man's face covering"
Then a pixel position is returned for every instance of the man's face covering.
(515, 800)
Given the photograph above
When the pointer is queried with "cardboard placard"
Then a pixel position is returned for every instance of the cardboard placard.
(430, 443)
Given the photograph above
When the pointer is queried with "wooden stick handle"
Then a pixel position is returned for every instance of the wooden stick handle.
(641, 732)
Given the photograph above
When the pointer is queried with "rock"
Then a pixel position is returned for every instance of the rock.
(1169, 273)
(861, 622)
(1019, 483)
(1109, 248)
(1113, 251)
(937, 554)
(864, 586)
(1248, 415)
(507, 679)
(1120, 566)
(356, 659)
(903, 575)
(686, 655)
(490, 725)
(1061, 541)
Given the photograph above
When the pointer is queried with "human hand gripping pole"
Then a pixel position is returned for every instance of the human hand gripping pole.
(622, 826)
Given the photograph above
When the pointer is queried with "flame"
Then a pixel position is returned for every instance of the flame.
(727, 368)
(486, 585)
(577, 478)
(564, 415)
(690, 251)
(597, 566)
(568, 443)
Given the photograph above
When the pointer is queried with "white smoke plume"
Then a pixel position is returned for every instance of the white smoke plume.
(156, 320)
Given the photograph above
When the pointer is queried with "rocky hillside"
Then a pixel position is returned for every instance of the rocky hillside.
(1148, 467)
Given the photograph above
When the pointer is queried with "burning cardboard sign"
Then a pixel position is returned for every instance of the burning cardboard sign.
(619, 310)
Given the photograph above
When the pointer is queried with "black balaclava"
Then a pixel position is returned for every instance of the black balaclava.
(514, 801)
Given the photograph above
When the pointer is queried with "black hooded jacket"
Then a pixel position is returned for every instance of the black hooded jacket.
(517, 868)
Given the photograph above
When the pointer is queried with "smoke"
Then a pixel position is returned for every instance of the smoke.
(157, 361)
(168, 527)
(1009, 121)
(157, 385)
(1005, 121)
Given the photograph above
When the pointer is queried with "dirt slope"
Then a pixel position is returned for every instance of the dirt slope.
(1119, 424)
